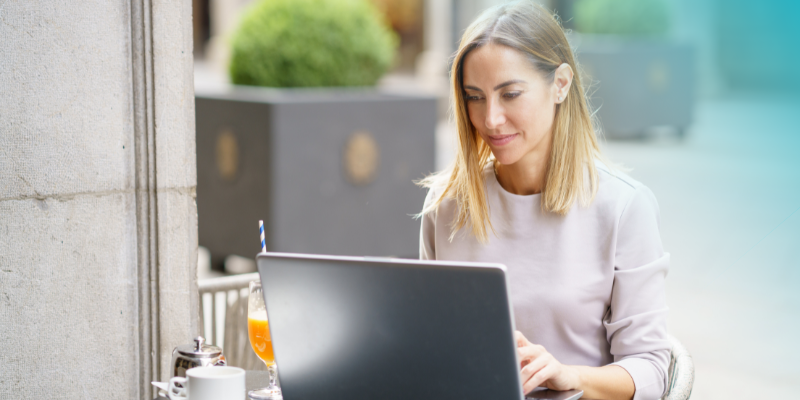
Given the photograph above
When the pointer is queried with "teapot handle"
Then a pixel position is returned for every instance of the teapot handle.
(177, 392)
(221, 362)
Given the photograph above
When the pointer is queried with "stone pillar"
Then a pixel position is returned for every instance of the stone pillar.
(98, 224)
(224, 19)
(432, 63)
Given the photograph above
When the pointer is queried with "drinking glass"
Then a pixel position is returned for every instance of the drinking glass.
(260, 340)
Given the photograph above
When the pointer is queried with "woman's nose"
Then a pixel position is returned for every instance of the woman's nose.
(495, 114)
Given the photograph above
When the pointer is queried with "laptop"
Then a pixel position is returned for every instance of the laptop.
(379, 328)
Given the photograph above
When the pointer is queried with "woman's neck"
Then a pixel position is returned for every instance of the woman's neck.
(525, 177)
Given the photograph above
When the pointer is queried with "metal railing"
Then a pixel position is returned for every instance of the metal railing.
(232, 292)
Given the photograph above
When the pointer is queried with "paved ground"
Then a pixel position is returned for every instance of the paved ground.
(729, 197)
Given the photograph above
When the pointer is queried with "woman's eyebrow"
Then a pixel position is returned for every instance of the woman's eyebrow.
(498, 87)
(511, 82)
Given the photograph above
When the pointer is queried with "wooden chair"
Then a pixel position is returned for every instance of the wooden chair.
(681, 372)
(232, 292)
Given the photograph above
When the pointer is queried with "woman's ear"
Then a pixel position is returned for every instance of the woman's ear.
(562, 81)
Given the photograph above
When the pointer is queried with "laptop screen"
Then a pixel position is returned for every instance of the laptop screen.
(355, 328)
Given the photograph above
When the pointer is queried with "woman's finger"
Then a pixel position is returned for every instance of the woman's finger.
(520, 339)
(533, 367)
(539, 378)
(530, 352)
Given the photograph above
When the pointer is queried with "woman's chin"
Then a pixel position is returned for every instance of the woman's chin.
(504, 158)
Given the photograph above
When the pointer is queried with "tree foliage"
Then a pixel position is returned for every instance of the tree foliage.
(305, 43)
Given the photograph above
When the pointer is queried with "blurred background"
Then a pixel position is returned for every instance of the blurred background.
(699, 99)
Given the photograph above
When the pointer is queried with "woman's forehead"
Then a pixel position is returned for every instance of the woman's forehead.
(491, 64)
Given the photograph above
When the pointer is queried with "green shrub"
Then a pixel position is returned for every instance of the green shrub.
(622, 17)
(302, 43)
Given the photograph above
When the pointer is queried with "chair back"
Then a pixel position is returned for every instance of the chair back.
(224, 300)
(680, 372)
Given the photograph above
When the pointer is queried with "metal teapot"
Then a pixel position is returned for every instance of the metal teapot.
(195, 354)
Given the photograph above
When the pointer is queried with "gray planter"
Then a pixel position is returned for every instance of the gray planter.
(637, 84)
(329, 171)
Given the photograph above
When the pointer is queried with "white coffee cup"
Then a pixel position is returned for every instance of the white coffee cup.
(209, 383)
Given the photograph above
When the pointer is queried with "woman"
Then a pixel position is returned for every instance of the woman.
(581, 243)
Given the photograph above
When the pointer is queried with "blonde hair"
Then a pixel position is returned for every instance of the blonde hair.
(531, 30)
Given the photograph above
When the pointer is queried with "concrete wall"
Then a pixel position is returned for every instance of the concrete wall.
(98, 228)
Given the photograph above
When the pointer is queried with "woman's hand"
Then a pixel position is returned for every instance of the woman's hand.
(540, 368)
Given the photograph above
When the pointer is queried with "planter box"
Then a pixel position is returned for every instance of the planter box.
(637, 84)
(329, 171)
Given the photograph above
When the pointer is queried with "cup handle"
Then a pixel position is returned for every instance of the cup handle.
(175, 392)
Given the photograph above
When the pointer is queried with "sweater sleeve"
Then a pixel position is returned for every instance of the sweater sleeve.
(636, 325)
(427, 235)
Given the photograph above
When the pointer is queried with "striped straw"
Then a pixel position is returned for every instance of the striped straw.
(261, 231)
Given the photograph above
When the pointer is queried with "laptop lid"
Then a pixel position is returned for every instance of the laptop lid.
(371, 328)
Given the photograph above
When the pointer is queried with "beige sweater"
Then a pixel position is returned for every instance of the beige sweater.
(588, 286)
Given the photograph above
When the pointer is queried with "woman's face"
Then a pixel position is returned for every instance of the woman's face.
(510, 104)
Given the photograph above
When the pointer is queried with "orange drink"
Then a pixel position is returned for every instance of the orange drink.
(258, 329)
(261, 342)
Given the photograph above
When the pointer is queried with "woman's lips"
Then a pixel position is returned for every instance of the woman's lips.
(499, 140)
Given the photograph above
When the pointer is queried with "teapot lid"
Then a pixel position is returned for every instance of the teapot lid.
(198, 349)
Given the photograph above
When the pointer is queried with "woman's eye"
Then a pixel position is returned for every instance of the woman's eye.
(511, 95)
(472, 98)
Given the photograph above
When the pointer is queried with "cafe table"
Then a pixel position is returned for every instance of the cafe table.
(256, 380)
(252, 380)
